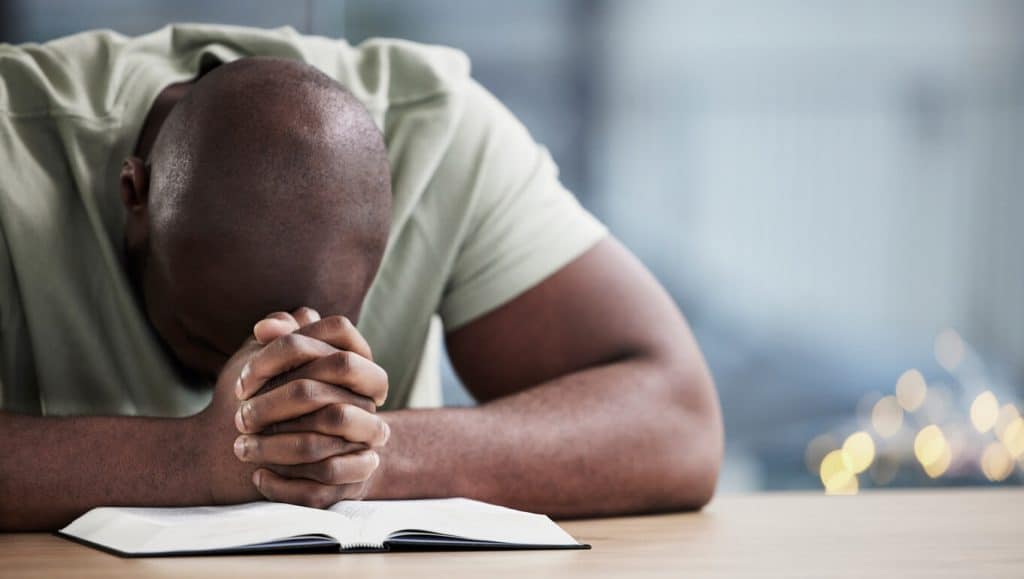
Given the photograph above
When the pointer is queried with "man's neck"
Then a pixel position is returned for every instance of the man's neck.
(162, 106)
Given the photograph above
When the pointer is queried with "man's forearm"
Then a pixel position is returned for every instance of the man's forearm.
(626, 437)
(53, 469)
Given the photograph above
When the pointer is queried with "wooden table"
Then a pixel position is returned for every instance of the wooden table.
(936, 533)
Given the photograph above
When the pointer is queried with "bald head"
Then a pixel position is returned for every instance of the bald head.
(268, 189)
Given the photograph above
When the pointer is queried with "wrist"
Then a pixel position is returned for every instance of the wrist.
(194, 429)
(400, 474)
(223, 478)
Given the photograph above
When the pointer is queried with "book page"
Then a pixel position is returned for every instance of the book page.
(167, 530)
(457, 517)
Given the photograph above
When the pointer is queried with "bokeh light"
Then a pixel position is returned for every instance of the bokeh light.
(940, 465)
(911, 390)
(931, 450)
(984, 411)
(890, 429)
(996, 462)
(858, 451)
(836, 475)
(887, 416)
(949, 349)
(850, 488)
(1012, 438)
(1007, 414)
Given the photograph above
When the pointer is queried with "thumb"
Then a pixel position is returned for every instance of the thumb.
(278, 324)
(274, 326)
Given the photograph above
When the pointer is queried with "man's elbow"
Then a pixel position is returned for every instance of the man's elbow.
(692, 443)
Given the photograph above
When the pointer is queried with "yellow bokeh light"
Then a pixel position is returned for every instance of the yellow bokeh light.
(984, 411)
(949, 349)
(850, 488)
(859, 451)
(1013, 437)
(887, 416)
(996, 462)
(1007, 414)
(817, 448)
(941, 464)
(911, 390)
(835, 475)
(929, 445)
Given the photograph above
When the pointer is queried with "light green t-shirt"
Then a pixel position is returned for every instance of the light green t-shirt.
(479, 215)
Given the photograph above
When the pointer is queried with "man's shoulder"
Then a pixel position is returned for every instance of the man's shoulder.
(414, 71)
(390, 74)
(52, 78)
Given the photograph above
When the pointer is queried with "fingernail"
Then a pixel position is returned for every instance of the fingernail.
(256, 477)
(256, 325)
(240, 447)
(387, 432)
(242, 376)
(239, 419)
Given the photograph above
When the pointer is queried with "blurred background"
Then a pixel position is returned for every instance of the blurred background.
(833, 192)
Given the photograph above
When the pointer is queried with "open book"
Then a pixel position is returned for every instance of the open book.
(347, 526)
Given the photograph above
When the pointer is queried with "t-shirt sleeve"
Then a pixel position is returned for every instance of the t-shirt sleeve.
(521, 226)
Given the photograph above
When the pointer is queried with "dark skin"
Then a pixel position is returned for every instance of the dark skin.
(594, 400)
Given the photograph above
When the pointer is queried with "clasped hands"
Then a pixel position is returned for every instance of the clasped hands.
(297, 407)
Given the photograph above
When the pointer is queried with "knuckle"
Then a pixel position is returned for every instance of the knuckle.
(337, 414)
(333, 325)
(345, 324)
(341, 362)
(306, 446)
(364, 403)
(334, 470)
(297, 345)
(303, 390)
(289, 341)
(286, 344)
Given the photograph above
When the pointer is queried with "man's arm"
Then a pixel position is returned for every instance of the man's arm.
(595, 400)
(52, 469)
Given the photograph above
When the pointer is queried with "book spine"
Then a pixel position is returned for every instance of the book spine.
(363, 547)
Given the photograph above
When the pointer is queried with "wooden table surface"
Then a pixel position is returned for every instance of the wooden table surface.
(975, 533)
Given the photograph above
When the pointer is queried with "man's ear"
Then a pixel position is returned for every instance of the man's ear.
(134, 186)
(135, 197)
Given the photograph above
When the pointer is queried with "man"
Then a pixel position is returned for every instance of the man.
(188, 341)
